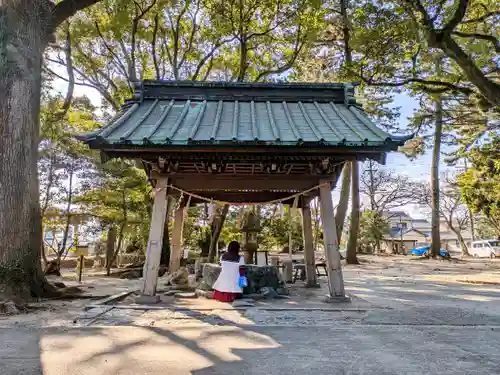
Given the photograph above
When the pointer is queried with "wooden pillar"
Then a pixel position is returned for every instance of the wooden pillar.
(335, 278)
(307, 236)
(165, 248)
(176, 252)
(155, 241)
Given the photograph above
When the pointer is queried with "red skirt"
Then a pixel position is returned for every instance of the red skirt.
(225, 296)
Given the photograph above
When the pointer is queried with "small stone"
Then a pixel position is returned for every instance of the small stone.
(172, 292)
(59, 284)
(243, 303)
(281, 296)
(254, 296)
(186, 295)
(135, 274)
(179, 277)
(10, 308)
(204, 293)
(283, 291)
(268, 292)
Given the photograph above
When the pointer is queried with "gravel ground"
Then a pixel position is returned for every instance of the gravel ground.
(407, 317)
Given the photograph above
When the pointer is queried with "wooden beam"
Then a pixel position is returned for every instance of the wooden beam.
(335, 278)
(307, 235)
(193, 182)
(155, 241)
(249, 196)
(176, 254)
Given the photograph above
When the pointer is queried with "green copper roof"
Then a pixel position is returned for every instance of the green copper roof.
(182, 113)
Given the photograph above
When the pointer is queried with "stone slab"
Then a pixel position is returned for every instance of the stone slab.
(243, 303)
(95, 312)
(113, 298)
(147, 300)
(186, 295)
(337, 299)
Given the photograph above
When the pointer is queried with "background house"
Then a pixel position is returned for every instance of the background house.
(406, 233)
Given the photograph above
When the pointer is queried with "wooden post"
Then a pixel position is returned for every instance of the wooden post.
(153, 251)
(176, 253)
(308, 246)
(165, 248)
(217, 226)
(80, 271)
(335, 278)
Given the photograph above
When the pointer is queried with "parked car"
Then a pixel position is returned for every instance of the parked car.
(424, 250)
(486, 249)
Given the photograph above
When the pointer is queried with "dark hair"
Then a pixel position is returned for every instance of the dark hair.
(233, 252)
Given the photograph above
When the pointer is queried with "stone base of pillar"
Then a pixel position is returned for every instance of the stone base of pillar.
(338, 299)
(312, 286)
(147, 300)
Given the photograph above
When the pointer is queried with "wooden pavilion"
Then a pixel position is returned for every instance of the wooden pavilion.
(243, 142)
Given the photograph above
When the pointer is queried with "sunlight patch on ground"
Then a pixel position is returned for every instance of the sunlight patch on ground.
(484, 289)
(471, 297)
(187, 348)
(360, 289)
(223, 341)
(401, 300)
(403, 289)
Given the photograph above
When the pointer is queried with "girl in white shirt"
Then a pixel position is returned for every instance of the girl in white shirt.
(227, 288)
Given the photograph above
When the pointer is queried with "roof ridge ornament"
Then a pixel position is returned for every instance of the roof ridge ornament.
(138, 94)
(349, 94)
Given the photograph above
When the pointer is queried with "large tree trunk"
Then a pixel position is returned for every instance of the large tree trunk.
(436, 155)
(25, 26)
(21, 47)
(343, 201)
(352, 243)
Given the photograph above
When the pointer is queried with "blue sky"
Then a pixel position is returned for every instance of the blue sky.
(418, 169)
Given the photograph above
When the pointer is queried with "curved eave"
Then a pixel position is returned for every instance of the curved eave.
(97, 142)
(397, 141)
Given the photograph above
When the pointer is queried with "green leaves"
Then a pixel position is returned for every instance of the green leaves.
(480, 185)
(372, 228)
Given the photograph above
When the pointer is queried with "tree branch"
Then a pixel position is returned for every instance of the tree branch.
(194, 29)
(110, 50)
(417, 5)
(65, 9)
(447, 85)
(71, 75)
(153, 47)
(457, 17)
(297, 49)
(483, 17)
(489, 38)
